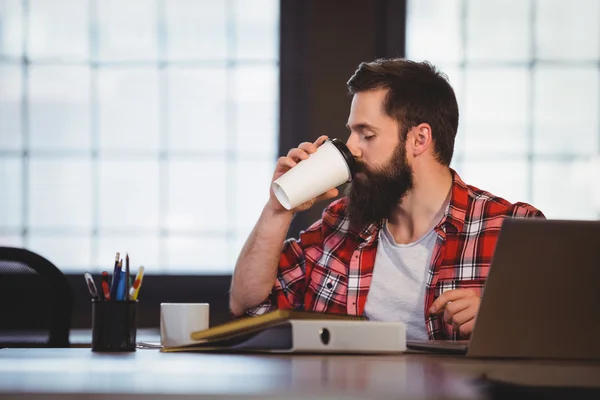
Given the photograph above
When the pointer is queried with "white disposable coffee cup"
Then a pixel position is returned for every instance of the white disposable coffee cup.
(179, 320)
(329, 167)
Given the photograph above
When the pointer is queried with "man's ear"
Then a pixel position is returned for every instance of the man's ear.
(419, 139)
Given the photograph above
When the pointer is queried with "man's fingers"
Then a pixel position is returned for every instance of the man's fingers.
(308, 147)
(460, 307)
(312, 147)
(450, 295)
(456, 307)
(304, 149)
(461, 317)
(321, 140)
(297, 154)
(467, 328)
(287, 162)
(440, 303)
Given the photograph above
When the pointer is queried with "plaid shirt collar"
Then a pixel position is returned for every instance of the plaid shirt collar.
(454, 216)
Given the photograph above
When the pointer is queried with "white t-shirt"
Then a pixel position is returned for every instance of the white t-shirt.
(397, 291)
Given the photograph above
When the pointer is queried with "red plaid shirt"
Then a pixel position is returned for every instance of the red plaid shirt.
(329, 269)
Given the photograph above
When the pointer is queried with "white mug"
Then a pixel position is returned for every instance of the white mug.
(179, 320)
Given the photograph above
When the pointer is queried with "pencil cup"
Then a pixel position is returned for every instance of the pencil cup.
(114, 325)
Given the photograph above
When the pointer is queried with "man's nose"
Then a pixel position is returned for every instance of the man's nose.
(352, 144)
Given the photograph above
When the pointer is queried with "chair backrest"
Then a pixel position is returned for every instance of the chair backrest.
(35, 301)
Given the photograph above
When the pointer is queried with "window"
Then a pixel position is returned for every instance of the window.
(526, 75)
(136, 125)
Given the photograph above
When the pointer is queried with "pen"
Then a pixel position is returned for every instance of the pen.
(105, 286)
(100, 293)
(135, 289)
(115, 278)
(114, 294)
(91, 285)
(121, 286)
(126, 293)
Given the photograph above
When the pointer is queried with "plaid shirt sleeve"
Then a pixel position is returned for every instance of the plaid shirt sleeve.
(290, 285)
(524, 210)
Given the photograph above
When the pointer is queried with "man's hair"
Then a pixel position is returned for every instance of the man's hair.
(417, 93)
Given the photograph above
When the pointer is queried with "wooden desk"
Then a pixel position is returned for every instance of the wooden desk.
(79, 373)
(550, 374)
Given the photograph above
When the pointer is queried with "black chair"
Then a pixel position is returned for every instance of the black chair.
(35, 301)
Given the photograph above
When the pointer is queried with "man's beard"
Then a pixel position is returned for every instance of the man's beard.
(373, 195)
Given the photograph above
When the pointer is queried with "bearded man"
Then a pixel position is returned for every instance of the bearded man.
(409, 241)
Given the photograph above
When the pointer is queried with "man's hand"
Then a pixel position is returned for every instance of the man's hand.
(460, 307)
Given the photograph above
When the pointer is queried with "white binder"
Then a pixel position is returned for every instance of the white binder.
(314, 336)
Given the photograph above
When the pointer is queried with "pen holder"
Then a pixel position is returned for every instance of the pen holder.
(114, 325)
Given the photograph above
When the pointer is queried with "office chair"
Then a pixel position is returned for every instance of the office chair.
(35, 301)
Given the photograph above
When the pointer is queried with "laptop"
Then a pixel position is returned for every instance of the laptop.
(542, 296)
